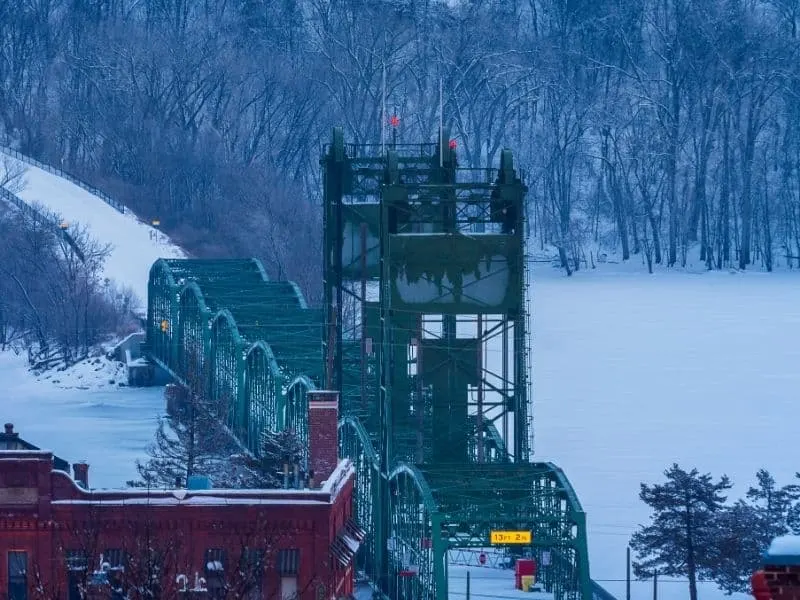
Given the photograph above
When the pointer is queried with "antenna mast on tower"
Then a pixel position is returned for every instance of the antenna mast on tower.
(383, 107)
(441, 126)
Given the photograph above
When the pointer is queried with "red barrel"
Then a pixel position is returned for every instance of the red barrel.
(523, 567)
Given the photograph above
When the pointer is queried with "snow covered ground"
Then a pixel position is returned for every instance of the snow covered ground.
(135, 245)
(633, 372)
(80, 414)
(96, 373)
(485, 583)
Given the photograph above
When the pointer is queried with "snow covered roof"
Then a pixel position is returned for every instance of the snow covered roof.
(189, 501)
(327, 494)
(784, 550)
(344, 470)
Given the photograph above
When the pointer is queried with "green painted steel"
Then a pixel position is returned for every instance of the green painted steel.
(426, 339)
(295, 411)
(354, 442)
(251, 345)
(415, 544)
(424, 333)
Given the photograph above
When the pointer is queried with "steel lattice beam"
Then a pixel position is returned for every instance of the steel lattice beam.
(425, 282)
(224, 329)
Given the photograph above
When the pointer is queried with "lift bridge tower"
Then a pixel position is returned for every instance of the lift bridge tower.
(426, 339)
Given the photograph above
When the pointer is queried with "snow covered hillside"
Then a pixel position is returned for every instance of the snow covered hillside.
(135, 245)
(632, 372)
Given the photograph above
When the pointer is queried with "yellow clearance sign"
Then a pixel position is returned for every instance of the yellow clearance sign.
(510, 537)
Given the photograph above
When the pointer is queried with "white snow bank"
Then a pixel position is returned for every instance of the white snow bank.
(135, 245)
(94, 373)
(785, 545)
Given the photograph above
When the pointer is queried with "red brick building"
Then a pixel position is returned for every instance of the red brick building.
(59, 539)
(779, 575)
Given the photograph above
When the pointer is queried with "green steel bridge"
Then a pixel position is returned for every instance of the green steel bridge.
(424, 332)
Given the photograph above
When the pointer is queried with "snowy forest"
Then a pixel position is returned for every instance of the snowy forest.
(650, 127)
(54, 301)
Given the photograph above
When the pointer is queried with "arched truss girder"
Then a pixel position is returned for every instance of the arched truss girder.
(299, 295)
(203, 328)
(295, 410)
(226, 372)
(162, 314)
(261, 270)
(474, 499)
(263, 394)
(355, 444)
(416, 550)
(194, 337)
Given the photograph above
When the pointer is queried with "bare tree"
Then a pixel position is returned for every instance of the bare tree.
(12, 174)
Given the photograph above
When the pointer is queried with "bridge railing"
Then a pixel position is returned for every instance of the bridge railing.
(26, 208)
(65, 175)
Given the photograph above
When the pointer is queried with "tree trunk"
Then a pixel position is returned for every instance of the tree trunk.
(656, 236)
(672, 167)
(613, 189)
(691, 562)
(747, 203)
(724, 257)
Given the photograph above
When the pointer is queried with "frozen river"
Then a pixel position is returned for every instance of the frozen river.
(107, 426)
(631, 373)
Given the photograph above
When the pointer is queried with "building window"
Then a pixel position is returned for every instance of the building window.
(114, 564)
(17, 575)
(215, 572)
(252, 573)
(288, 566)
(77, 565)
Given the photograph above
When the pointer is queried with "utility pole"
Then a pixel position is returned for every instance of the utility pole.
(467, 585)
(628, 574)
(655, 585)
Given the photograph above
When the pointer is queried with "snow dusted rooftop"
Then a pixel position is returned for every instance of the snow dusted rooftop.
(24, 452)
(784, 550)
(218, 497)
(135, 245)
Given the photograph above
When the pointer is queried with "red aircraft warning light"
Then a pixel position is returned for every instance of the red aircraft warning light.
(452, 144)
(394, 121)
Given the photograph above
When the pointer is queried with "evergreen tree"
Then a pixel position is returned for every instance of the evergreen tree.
(745, 530)
(793, 513)
(742, 532)
(680, 539)
(190, 442)
(775, 502)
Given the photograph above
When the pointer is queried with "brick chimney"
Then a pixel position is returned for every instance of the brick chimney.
(323, 433)
(9, 440)
(779, 577)
(81, 470)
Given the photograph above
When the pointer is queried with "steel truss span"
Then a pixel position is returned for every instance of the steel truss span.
(250, 345)
(426, 337)
(424, 331)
